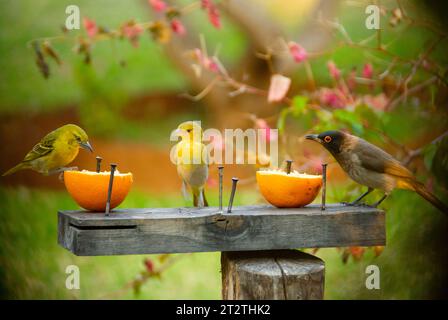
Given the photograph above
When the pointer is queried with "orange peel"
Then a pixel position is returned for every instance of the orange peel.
(291, 190)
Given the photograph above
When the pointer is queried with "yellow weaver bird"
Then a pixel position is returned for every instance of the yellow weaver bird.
(56, 150)
(191, 165)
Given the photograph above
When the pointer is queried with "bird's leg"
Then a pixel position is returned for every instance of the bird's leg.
(355, 202)
(61, 172)
(376, 204)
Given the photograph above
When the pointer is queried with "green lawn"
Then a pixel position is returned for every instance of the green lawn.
(32, 265)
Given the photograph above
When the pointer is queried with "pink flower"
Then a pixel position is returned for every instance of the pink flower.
(213, 16)
(270, 134)
(378, 102)
(211, 65)
(298, 53)
(206, 62)
(217, 142)
(213, 13)
(205, 4)
(132, 31)
(367, 71)
(91, 27)
(334, 71)
(332, 98)
(178, 27)
(278, 88)
(149, 265)
(157, 5)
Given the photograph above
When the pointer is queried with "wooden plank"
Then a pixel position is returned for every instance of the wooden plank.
(273, 275)
(175, 230)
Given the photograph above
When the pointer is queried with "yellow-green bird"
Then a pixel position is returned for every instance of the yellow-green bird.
(56, 150)
(192, 166)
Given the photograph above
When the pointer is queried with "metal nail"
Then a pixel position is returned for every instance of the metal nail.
(113, 166)
(288, 166)
(232, 195)
(221, 169)
(98, 164)
(324, 185)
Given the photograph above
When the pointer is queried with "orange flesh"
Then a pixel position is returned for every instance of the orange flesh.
(89, 189)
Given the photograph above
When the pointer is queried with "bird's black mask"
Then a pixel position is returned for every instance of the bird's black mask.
(331, 140)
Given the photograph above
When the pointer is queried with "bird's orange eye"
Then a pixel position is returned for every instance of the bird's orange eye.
(327, 139)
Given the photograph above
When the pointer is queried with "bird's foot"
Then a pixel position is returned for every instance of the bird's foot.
(374, 205)
(61, 172)
(361, 204)
(355, 204)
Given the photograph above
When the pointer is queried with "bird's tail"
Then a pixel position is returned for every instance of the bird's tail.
(18, 167)
(199, 199)
(427, 195)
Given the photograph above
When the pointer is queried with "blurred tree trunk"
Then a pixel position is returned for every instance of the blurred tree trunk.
(261, 31)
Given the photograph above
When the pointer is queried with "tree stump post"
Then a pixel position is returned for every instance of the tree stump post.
(276, 274)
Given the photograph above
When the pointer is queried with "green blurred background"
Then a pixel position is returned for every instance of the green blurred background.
(128, 100)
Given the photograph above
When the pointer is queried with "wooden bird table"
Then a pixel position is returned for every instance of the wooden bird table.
(257, 242)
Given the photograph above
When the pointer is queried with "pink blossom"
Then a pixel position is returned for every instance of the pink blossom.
(261, 124)
(157, 5)
(367, 71)
(178, 27)
(91, 27)
(298, 53)
(210, 64)
(278, 88)
(132, 31)
(149, 265)
(205, 4)
(217, 142)
(213, 13)
(334, 71)
(206, 62)
(333, 98)
(270, 134)
(378, 102)
(213, 16)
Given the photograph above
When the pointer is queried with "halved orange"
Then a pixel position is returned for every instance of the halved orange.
(291, 190)
(89, 189)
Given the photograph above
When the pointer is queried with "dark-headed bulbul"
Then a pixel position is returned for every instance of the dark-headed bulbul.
(371, 166)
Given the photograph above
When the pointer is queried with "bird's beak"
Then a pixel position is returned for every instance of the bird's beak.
(178, 132)
(86, 145)
(313, 137)
(175, 134)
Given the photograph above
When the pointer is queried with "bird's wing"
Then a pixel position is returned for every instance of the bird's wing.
(376, 159)
(44, 147)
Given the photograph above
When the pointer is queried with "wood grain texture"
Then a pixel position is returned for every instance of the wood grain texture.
(175, 230)
(277, 275)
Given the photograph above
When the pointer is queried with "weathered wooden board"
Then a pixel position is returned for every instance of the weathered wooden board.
(272, 275)
(175, 230)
